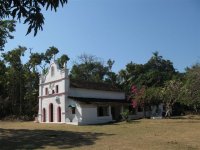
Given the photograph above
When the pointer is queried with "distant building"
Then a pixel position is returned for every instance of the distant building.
(62, 100)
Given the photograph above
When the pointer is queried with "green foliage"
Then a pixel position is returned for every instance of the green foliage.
(14, 75)
(42, 59)
(153, 96)
(149, 78)
(14, 57)
(62, 60)
(6, 27)
(3, 85)
(191, 89)
(125, 115)
(19, 81)
(91, 68)
(154, 73)
(171, 93)
(50, 52)
(111, 78)
(159, 70)
(110, 63)
(35, 60)
(132, 75)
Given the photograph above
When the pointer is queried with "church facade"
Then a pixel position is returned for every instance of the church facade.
(62, 100)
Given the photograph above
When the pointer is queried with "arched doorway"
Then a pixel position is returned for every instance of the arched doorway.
(44, 115)
(59, 114)
(51, 112)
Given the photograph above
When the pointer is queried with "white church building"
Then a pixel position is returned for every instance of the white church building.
(62, 100)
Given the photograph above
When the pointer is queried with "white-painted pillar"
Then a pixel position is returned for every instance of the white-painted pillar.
(40, 110)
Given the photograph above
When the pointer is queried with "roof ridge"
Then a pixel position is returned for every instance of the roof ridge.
(94, 85)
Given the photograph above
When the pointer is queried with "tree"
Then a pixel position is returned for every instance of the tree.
(171, 94)
(28, 10)
(6, 28)
(137, 96)
(149, 78)
(35, 60)
(14, 79)
(191, 89)
(154, 73)
(19, 81)
(131, 75)
(62, 60)
(111, 77)
(50, 53)
(3, 92)
(31, 92)
(152, 95)
(144, 97)
(42, 59)
(89, 68)
(158, 70)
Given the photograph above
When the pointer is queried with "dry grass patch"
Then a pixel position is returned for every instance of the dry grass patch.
(142, 134)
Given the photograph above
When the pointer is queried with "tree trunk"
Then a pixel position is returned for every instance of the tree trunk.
(168, 111)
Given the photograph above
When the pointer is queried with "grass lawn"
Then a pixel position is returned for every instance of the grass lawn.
(142, 134)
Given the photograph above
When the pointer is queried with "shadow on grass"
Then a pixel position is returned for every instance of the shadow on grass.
(134, 121)
(192, 117)
(107, 123)
(117, 123)
(34, 139)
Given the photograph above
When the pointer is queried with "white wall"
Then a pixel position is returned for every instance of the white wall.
(89, 113)
(50, 82)
(59, 78)
(73, 118)
(53, 87)
(58, 73)
(56, 104)
(89, 93)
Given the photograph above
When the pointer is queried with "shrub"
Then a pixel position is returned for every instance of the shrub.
(125, 115)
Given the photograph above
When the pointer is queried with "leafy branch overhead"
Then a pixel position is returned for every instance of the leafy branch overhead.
(6, 27)
(29, 10)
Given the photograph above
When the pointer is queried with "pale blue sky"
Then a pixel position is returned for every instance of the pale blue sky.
(128, 30)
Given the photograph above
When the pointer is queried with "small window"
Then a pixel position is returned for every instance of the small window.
(52, 71)
(53, 91)
(102, 111)
(57, 89)
(46, 91)
(73, 110)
